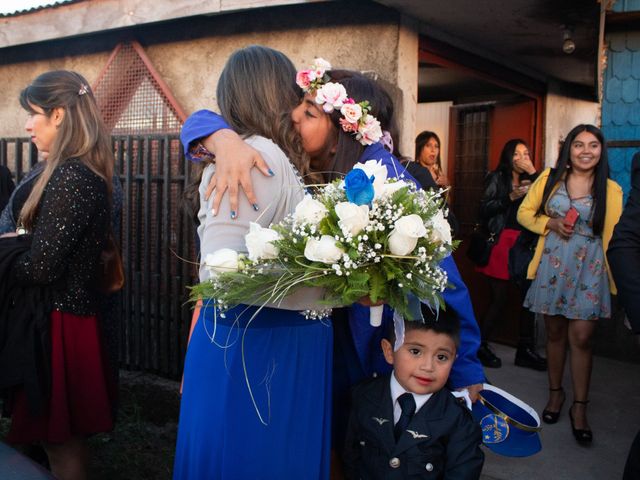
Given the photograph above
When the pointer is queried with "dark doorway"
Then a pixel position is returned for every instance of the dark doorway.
(485, 111)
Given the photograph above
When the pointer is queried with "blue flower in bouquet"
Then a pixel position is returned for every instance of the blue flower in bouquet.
(359, 187)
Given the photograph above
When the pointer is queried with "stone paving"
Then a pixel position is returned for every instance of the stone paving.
(614, 415)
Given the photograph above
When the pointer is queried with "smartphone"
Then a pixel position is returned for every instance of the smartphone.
(571, 217)
(524, 185)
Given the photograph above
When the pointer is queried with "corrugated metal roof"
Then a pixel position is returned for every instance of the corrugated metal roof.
(40, 7)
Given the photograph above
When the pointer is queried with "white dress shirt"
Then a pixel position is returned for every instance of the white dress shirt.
(396, 391)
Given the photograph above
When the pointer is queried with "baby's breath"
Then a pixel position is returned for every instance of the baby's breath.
(366, 267)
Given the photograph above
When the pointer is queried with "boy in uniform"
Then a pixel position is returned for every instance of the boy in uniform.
(407, 425)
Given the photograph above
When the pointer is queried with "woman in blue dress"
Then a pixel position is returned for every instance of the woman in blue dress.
(571, 280)
(257, 381)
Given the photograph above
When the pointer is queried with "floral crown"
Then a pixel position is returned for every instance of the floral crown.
(332, 96)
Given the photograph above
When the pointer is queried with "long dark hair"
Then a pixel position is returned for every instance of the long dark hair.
(505, 165)
(359, 87)
(422, 139)
(563, 170)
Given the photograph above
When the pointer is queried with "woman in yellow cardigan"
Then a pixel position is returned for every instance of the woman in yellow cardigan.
(571, 278)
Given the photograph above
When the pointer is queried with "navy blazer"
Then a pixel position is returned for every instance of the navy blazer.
(442, 441)
(624, 251)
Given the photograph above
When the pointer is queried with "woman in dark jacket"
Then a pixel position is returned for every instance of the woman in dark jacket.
(504, 191)
(67, 214)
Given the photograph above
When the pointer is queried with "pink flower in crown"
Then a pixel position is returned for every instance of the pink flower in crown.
(304, 79)
(352, 112)
(347, 126)
(369, 131)
(331, 96)
(320, 65)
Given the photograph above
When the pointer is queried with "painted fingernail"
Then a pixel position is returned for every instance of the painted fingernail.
(213, 212)
(233, 214)
(271, 173)
(255, 206)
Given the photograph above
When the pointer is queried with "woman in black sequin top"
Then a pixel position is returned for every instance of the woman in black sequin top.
(68, 215)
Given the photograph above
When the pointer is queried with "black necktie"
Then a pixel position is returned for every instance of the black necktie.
(408, 406)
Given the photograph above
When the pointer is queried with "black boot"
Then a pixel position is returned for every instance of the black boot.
(487, 357)
(526, 356)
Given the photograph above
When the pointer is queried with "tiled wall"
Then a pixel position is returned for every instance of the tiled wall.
(621, 102)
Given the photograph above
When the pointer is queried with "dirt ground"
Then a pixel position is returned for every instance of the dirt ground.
(141, 447)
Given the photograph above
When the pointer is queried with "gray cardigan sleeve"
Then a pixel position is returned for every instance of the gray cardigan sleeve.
(277, 197)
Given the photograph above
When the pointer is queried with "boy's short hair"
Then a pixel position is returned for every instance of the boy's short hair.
(440, 321)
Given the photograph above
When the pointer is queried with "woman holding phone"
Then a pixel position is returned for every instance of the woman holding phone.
(573, 208)
(504, 190)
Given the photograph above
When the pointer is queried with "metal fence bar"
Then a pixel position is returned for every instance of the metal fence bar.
(146, 254)
(155, 316)
(3, 152)
(163, 333)
(126, 330)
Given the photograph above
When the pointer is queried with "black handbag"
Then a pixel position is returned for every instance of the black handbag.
(520, 256)
(481, 243)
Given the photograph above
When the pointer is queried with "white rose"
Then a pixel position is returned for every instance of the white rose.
(441, 230)
(400, 244)
(331, 96)
(321, 62)
(309, 210)
(411, 225)
(324, 250)
(351, 112)
(370, 132)
(389, 189)
(259, 242)
(320, 66)
(404, 237)
(379, 172)
(353, 218)
(221, 261)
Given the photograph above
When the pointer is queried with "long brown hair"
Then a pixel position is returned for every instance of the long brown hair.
(256, 94)
(81, 134)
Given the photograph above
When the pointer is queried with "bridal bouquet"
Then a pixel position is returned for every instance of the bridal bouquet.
(367, 236)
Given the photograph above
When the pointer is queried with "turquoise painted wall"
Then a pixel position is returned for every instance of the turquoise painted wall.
(626, 6)
(621, 99)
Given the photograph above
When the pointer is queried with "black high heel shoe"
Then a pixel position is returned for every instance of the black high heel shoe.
(582, 436)
(549, 416)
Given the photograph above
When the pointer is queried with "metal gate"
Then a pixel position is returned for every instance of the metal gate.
(158, 244)
(471, 162)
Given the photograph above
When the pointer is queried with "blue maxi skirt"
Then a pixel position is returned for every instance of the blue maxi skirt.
(256, 400)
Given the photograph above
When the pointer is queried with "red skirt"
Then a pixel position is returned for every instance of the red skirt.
(82, 388)
(498, 265)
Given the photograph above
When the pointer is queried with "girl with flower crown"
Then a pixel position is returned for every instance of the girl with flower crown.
(354, 337)
(257, 379)
(337, 120)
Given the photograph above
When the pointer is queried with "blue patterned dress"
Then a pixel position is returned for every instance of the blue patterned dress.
(572, 277)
